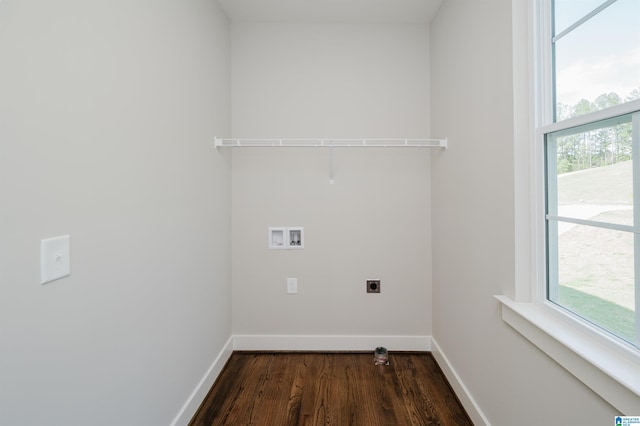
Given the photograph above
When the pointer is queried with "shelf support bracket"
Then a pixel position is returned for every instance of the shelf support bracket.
(331, 173)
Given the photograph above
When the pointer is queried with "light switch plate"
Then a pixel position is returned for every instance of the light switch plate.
(292, 285)
(55, 258)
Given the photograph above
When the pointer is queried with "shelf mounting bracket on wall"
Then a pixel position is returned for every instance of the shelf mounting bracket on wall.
(331, 178)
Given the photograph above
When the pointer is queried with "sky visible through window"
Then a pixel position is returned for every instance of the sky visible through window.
(600, 56)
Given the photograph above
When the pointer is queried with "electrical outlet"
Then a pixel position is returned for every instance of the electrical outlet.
(292, 285)
(373, 286)
(55, 259)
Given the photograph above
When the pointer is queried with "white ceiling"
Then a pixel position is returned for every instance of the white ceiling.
(365, 11)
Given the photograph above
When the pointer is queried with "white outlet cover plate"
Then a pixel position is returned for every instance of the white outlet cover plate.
(292, 285)
(55, 258)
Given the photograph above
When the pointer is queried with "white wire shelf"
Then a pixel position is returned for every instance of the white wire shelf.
(332, 143)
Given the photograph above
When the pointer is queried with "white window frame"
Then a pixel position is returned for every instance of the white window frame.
(597, 120)
(605, 364)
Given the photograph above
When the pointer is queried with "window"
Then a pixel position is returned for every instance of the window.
(592, 164)
(591, 237)
(596, 55)
(577, 177)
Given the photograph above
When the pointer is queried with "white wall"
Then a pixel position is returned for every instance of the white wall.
(107, 113)
(473, 226)
(332, 81)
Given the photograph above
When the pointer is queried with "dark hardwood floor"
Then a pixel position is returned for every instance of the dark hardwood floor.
(295, 388)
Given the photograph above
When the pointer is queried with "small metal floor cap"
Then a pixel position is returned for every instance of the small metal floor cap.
(381, 356)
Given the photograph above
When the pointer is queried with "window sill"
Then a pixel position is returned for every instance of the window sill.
(607, 367)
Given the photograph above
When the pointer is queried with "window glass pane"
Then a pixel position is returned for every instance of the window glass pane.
(595, 277)
(597, 65)
(568, 12)
(593, 174)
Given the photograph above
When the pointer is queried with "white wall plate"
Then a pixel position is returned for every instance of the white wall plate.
(55, 258)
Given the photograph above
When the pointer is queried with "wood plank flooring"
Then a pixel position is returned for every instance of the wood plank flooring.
(295, 388)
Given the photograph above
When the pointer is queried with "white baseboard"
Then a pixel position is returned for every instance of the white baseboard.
(465, 397)
(329, 343)
(200, 392)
